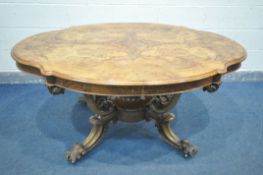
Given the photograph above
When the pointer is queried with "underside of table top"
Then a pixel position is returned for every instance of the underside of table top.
(129, 58)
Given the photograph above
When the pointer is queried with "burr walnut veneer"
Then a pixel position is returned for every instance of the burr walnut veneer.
(129, 72)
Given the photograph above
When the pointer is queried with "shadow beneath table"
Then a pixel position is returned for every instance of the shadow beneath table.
(66, 121)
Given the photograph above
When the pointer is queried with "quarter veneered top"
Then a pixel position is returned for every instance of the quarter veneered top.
(129, 54)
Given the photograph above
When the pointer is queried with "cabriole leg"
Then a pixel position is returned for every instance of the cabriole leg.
(95, 135)
(169, 136)
(105, 113)
(158, 110)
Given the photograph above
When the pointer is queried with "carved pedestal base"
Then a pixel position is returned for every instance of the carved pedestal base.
(130, 109)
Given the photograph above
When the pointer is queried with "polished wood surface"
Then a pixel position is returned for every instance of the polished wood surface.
(131, 55)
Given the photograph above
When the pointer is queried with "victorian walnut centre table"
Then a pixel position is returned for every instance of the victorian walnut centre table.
(129, 71)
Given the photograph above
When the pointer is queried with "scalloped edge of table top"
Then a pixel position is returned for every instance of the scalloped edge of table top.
(45, 73)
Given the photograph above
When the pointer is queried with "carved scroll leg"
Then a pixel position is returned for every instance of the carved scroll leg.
(93, 138)
(165, 130)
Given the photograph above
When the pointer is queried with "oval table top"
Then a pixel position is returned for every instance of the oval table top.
(128, 58)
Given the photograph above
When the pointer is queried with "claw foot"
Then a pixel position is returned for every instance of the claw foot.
(188, 149)
(75, 153)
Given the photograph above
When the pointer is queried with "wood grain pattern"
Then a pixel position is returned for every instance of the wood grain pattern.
(130, 54)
